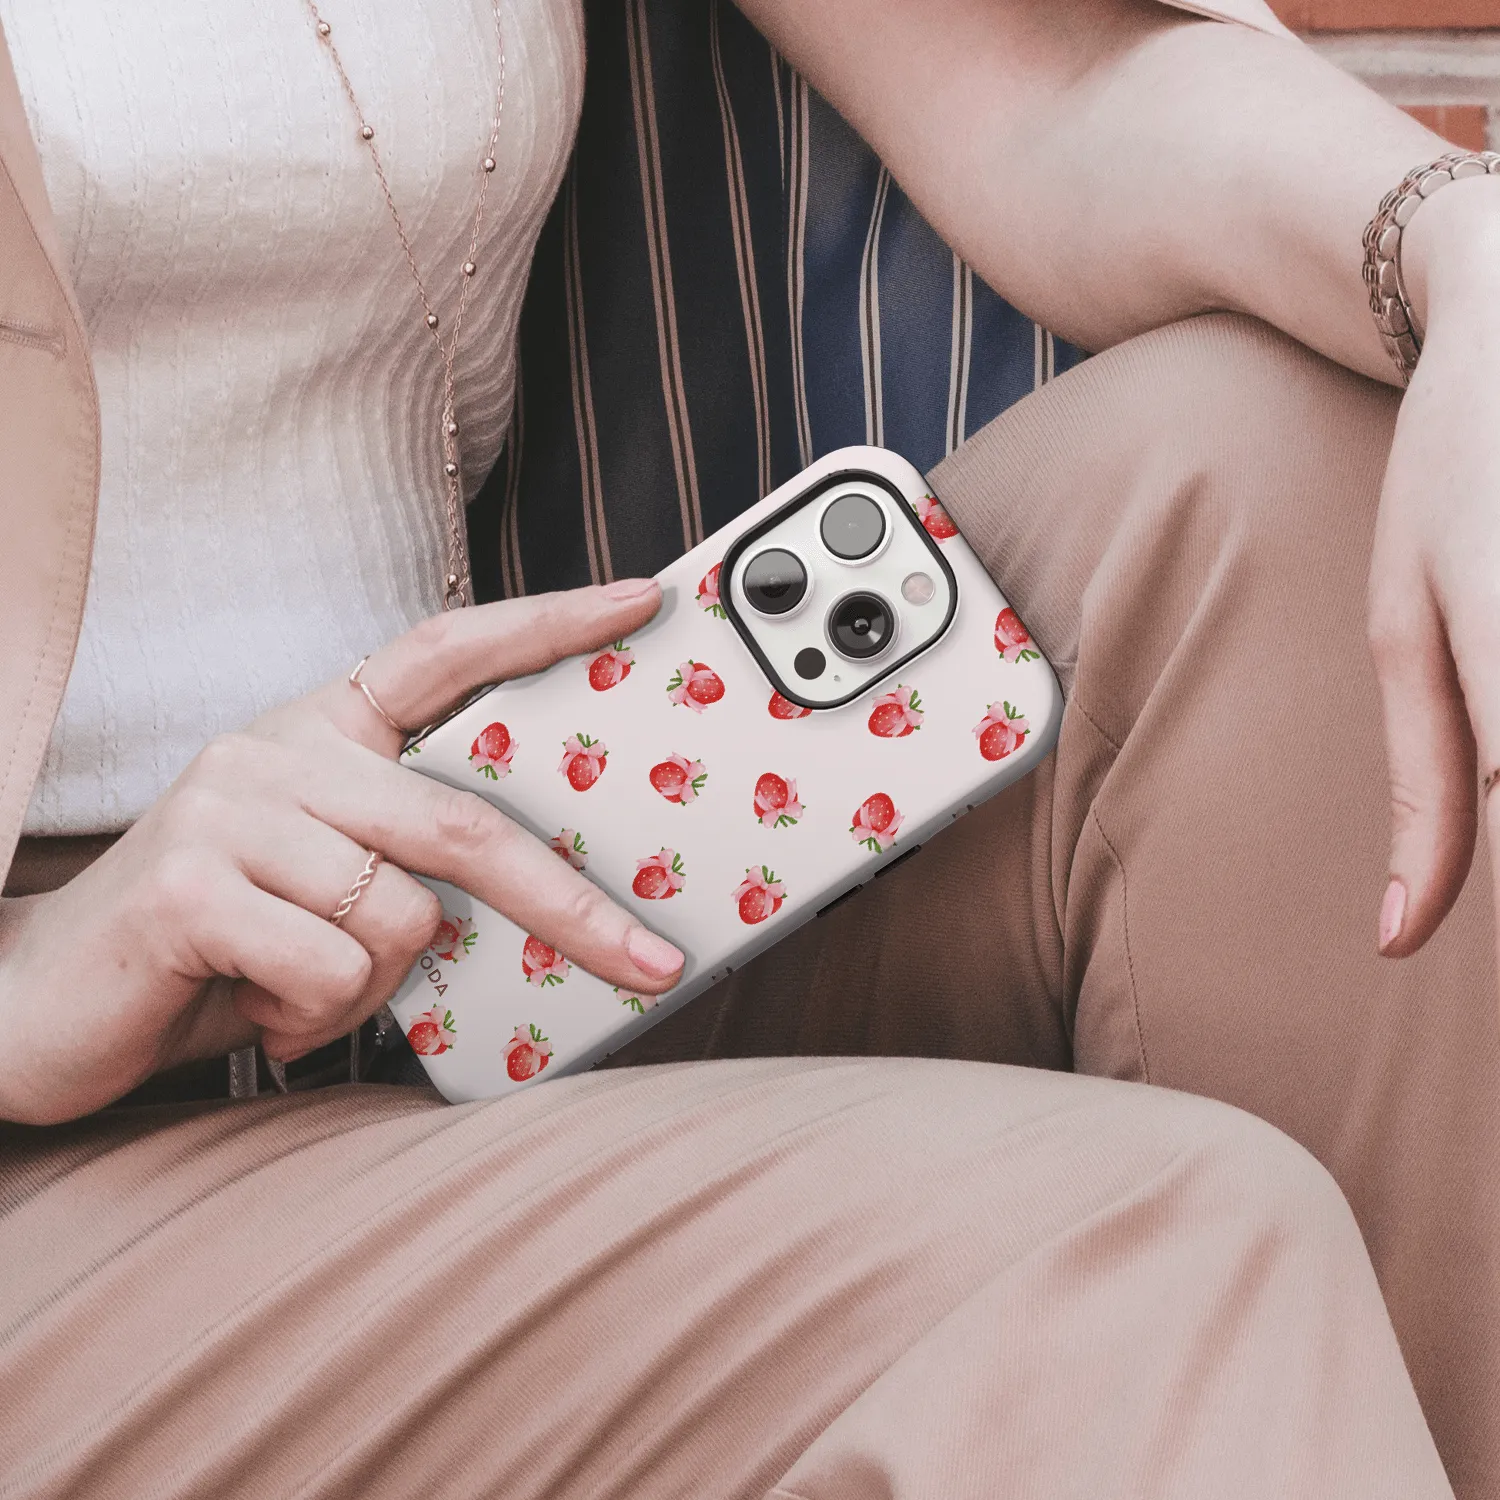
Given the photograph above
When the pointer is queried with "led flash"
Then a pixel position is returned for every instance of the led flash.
(918, 588)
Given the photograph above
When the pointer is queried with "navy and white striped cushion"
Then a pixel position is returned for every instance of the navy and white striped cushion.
(729, 285)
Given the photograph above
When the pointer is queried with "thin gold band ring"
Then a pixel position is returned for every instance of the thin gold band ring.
(370, 698)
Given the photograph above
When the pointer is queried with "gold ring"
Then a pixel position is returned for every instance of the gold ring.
(370, 698)
(357, 889)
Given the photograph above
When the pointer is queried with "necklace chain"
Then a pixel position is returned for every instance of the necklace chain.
(458, 579)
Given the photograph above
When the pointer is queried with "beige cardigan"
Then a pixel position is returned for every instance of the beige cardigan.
(49, 450)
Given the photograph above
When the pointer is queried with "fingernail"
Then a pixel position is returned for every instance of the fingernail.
(629, 588)
(653, 954)
(1392, 914)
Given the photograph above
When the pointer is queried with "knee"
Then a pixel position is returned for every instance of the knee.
(1199, 453)
(1294, 445)
(1276, 1188)
(1244, 484)
(1222, 428)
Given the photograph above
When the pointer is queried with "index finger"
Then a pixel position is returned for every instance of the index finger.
(420, 676)
(456, 836)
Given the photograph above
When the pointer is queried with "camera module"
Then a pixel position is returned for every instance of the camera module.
(861, 626)
(774, 581)
(853, 527)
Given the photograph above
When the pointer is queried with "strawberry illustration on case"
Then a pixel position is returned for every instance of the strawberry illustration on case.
(1001, 731)
(660, 877)
(611, 667)
(432, 1033)
(568, 844)
(935, 520)
(784, 708)
(454, 939)
(526, 1053)
(640, 1004)
(1012, 640)
(695, 686)
(776, 804)
(876, 823)
(708, 593)
(541, 964)
(678, 779)
(759, 895)
(896, 714)
(583, 761)
(492, 750)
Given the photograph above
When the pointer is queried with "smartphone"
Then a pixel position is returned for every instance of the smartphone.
(831, 680)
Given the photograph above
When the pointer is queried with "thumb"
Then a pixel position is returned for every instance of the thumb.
(1431, 754)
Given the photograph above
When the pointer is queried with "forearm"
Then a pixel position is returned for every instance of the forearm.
(1109, 165)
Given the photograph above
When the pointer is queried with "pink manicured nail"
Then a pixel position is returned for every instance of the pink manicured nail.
(653, 954)
(1392, 913)
(628, 588)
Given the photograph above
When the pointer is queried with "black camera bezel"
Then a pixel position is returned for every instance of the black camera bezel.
(743, 543)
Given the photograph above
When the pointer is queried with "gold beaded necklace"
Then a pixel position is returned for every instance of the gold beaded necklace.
(457, 582)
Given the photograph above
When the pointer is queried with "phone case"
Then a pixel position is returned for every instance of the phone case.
(668, 771)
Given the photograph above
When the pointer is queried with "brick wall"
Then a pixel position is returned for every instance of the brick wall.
(1440, 59)
(1355, 15)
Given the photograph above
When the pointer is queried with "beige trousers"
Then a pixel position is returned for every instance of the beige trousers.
(825, 1280)
(1187, 892)
(832, 1280)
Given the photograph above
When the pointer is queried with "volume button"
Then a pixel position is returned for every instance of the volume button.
(853, 890)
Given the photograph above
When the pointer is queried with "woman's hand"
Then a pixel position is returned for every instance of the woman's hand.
(1435, 574)
(237, 870)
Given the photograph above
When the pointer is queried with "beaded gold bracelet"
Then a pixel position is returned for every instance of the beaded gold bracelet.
(1383, 278)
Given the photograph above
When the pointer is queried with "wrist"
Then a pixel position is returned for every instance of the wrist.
(1450, 255)
(28, 1095)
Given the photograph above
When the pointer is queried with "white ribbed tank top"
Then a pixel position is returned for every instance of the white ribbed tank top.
(272, 496)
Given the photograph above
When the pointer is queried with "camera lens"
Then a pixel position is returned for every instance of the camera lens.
(853, 526)
(774, 581)
(861, 626)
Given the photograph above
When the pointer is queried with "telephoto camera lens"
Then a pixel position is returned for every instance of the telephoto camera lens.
(774, 581)
(853, 527)
(861, 626)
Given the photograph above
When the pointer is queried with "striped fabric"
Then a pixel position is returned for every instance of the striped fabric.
(730, 284)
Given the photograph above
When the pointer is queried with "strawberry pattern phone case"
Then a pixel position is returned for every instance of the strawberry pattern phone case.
(672, 769)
